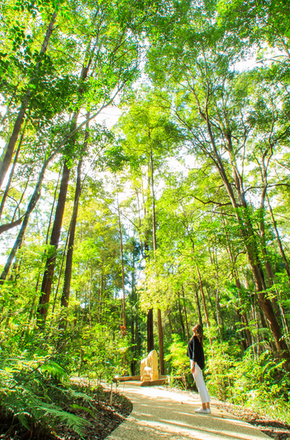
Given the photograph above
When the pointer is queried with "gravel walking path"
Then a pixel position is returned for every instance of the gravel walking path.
(161, 414)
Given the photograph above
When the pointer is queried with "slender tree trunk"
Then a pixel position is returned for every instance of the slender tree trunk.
(198, 306)
(159, 318)
(180, 316)
(150, 336)
(170, 323)
(11, 173)
(20, 117)
(69, 257)
(204, 303)
(101, 298)
(54, 241)
(33, 201)
(257, 327)
(149, 321)
(60, 274)
(122, 270)
(185, 315)
(133, 362)
(22, 196)
(160, 338)
(52, 208)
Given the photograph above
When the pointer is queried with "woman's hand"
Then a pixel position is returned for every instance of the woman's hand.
(193, 368)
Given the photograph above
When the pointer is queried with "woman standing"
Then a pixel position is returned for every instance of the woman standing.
(196, 356)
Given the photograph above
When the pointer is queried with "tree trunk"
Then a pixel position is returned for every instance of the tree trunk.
(159, 319)
(150, 336)
(11, 174)
(54, 241)
(69, 257)
(122, 271)
(180, 316)
(133, 362)
(33, 201)
(160, 338)
(170, 323)
(198, 306)
(20, 117)
(185, 315)
(52, 208)
(248, 235)
(204, 303)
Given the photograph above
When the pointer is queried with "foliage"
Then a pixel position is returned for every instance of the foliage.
(34, 391)
(182, 206)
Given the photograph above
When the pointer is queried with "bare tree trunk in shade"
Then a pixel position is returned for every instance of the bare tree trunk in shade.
(52, 208)
(11, 173)
(54, 241)
(160, 338)
(60, 274)
(145, 253)
(122, 270)
(138, 339)
(204, 303)
(180, 315)
(256, 319)
(185, 315)
(31, 205)
(150, 336)
(20, 117)
(159, 317)
(100, 298)
(198, 306)
(69, 257)
(170, 323)
(218, 314)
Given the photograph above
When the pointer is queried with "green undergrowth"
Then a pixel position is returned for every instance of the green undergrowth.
(35, 393)
(257, 382)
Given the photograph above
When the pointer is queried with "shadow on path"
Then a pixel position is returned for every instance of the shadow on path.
(162, 414)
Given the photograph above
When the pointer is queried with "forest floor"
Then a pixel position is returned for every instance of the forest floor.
(102, 416)
(273, 428)
(106, 417)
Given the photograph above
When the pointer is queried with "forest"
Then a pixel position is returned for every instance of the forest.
(145, 188)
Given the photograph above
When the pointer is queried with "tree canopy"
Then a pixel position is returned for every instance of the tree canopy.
(125, 235)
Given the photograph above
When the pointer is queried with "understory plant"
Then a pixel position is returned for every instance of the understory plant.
(34, 390)
(262, 384)
(179, 360)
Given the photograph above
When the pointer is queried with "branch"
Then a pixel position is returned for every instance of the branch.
(212, 202)
(11, 225)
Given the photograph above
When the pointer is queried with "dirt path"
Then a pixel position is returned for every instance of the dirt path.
(161, 414)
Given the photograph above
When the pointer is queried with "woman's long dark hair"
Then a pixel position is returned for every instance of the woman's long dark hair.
(198, 331)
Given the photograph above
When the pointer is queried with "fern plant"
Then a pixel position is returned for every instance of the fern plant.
(31, 391)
